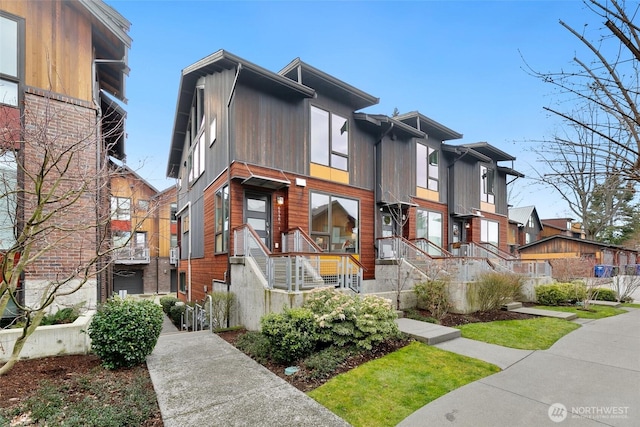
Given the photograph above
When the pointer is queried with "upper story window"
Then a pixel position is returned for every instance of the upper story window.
(197, 144)
(427, 160)
(174, 212)
(329, 139)
(8, 200)
(120, 208)
(10, 53)
(222, 219)
(487, 183)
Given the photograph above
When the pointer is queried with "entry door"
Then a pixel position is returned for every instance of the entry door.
(257, 214)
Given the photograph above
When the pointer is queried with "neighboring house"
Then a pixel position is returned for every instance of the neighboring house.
(143, 229)
(524, 227)
(563, 226)
(289, 154)
(562, 247)
(60, 64)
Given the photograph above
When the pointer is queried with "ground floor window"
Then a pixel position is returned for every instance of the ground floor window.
(429, 226)
(489, 232)
(222, 219)
(334, 222)
(183, 281)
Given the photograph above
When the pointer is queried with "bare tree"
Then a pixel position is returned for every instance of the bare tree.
(597, 99)
(55, 209)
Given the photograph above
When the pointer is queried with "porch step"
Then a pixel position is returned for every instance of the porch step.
(546, 313)
(613, 304)
(428, 333)
(511, 305)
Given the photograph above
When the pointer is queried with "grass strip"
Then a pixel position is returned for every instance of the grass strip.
(529, 334)
(385, 391)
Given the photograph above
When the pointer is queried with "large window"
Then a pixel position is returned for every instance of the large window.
(429, 226)
(489, 232)
(222, 219)
(10, 67)
(334, 222)
(427, 167)
(329, 139)
(8, 199)
(487, 182)
(120, 208)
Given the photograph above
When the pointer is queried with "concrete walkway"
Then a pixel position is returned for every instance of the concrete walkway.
(201, 380)
(592, 374)
(590, 377)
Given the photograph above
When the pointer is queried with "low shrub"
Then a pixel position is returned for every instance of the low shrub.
(605, 294)
(222, 304)
(60, 317)
(561, 293)
(343, 319)
(412, 313)
(175, 314)
(255, 344)
(495, 289)
(124, 332)
(292, 334)
(324, 362)
(167, 302)
(433, 295)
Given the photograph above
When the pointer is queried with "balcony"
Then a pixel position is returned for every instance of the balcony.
(174, 255)
(131, 255)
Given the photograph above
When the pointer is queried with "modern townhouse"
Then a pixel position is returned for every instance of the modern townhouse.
(63, 65)
(285, 183)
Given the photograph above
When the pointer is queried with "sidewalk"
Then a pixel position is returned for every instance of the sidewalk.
(201, 380)
(593, 373)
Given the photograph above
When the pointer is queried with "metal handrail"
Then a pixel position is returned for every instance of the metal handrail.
(296, 240)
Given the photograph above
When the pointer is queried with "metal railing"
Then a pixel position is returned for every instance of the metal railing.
(477, 260)
(431, 248)
(296, 240)
(131, 255)
(196, 317)
(298, 271)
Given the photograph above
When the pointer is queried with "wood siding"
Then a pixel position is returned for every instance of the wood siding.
(58, 46)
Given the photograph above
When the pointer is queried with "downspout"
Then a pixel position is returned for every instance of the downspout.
(375, 178)
(96, 102)
(189, 255)
(227, 276)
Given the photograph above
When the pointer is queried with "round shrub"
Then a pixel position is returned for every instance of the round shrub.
(167, 302)
(291, 334)
(124, 332)
(605, 294)
(344, 319)
(175, 314)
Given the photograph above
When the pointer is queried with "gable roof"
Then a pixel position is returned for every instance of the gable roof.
(382, 123)
(521, 215)
(574, 239)
(490, 151)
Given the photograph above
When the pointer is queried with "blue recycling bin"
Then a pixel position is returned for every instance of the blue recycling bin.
(598, 271)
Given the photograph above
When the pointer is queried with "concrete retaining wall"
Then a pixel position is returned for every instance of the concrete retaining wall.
(53, 340)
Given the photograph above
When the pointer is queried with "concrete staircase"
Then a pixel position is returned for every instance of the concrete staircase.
(428, 333)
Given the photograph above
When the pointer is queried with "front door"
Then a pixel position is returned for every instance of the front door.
(257, 208)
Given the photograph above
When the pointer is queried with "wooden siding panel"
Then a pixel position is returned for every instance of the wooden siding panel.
(396, 177)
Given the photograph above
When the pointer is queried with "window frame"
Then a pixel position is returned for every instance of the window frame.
(350, 244)
(118, 211)
(17, 79)
(329, 147)
(221, 220)
(427, 222)
(487, 184)
(486, 231)
(427, 169)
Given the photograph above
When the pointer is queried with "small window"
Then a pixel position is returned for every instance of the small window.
(183, 281)
(143, 205)
(487, 179)
(185, 224)
(120, 208)
(212, 131)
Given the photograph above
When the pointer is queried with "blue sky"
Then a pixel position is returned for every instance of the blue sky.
(458, 62)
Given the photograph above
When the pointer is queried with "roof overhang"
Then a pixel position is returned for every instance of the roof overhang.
(113, 126)
(490, 151)
(382, 123)
(510, 171)
(428, 126)
(461, 151)
(266, 182)
(307, 75)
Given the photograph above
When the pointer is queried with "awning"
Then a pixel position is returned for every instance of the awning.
(266, 182)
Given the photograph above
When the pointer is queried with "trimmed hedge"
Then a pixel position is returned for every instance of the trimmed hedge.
(561, 293)
(292, 335)
(124, 332)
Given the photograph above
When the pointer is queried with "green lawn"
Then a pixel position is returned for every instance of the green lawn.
(594, 312)
(530, 334)
(385, 391)
(632, 305)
